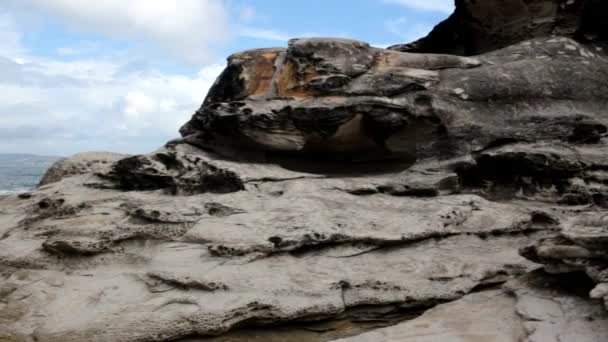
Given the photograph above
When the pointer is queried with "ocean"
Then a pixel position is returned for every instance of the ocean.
(22, 172)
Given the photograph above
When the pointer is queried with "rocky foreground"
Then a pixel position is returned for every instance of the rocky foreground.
(333, 191)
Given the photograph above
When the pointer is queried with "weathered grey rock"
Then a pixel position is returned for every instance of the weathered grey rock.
(463, 320)
(79, 164)
(146, 259)
(581, 247)
(333, 184)
(539, 308)
(173, 172)
(557, 309)
(400, 106)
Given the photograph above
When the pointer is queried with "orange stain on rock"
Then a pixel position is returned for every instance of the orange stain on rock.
(261, 74)
(290, 82)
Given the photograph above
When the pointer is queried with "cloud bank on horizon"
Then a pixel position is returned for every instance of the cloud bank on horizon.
(123, 76)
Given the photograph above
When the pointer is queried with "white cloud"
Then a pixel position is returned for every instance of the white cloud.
(264, 34)
(137, 104)
(408, 30)
(283, 37)
(10, 37)
(51, 107)
(99, 98)
(187, 28)
(80, 48)
(160, 103)
(445, 6)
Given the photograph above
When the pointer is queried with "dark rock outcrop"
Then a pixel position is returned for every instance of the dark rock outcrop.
(403, 105)
(530, 117)
(175, 172)
(479, 26)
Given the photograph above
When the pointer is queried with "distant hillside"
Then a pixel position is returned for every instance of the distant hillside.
(22, 172)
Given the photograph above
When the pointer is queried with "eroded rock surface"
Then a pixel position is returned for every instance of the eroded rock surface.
(336, 188)
(80, 164)
(536, 307)
(579, 247)
(279, 251)
(401, 105)
(481, 26)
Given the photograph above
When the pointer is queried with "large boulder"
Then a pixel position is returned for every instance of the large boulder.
(530, 116)
(347, 98)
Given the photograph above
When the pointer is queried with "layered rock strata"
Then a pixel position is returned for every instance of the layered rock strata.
(335, 191)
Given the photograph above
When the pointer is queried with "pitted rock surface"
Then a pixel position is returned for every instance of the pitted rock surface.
(405, 106)
(80, 164)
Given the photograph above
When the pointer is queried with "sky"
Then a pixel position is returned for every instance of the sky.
(123, 76)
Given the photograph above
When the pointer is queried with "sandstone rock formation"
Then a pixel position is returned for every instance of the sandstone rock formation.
(479, 26)
(79, 164)
(335, 191)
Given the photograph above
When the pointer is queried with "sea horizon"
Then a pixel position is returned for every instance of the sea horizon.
(21, 172)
